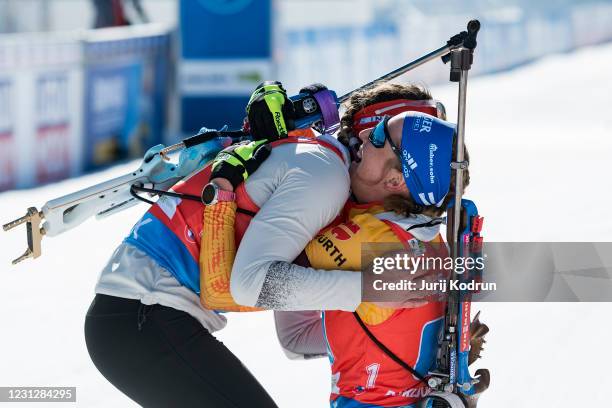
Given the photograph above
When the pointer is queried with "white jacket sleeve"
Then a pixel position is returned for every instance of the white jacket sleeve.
(308, 195)
(300, 334)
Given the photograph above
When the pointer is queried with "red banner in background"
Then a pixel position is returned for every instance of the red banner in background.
(7, 166)
(52, 152)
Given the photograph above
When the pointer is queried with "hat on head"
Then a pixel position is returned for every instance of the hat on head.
(426, 149)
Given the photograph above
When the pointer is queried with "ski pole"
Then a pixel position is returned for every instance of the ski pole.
(461, 60)
(451, 381)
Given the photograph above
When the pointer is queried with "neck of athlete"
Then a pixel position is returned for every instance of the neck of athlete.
(368, 194)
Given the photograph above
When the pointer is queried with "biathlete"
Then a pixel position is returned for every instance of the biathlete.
(399, 191)
(146, 330)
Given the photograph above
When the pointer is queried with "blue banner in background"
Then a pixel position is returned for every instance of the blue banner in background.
(226, 50)
(112, 109)
(126, 88)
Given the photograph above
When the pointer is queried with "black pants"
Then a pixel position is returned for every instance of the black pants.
(162, 357)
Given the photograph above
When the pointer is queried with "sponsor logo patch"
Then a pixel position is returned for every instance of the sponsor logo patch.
(432, 150)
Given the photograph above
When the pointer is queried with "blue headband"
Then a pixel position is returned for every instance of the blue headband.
(427, 146)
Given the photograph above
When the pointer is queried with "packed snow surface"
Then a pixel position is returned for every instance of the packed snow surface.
(540, 145)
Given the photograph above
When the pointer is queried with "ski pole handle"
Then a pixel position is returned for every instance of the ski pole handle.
(472, 31)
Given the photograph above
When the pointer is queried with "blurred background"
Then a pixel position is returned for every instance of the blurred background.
(85, 83)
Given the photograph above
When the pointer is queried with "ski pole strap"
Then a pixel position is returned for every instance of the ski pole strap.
(432, 223)
(386, 350)
(135, 188)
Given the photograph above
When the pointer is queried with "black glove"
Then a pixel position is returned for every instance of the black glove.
(308, 105)
(270, 112)
(237, 162)
(313, 88)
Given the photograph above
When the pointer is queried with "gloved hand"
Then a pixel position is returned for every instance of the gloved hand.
(330, 120)
(484, 380)
(270, 112)
(309, 105)
(237, 162)
(478, 332)
(313, 88)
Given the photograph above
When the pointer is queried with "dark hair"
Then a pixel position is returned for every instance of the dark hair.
(383, 92)
(380, 92)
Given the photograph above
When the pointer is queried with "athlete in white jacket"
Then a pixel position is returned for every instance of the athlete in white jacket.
(146, 331)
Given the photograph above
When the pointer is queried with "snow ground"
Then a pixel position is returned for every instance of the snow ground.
(540, 144)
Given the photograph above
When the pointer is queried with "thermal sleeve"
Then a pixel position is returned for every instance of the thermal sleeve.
(300, 334)
(217, 252)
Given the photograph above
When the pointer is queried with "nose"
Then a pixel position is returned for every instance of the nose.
(363, 135)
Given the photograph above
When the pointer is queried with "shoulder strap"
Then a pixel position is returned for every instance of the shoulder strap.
(386, 350)
(432, 223)
(403, 235)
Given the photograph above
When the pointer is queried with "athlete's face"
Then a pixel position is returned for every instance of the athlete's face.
(375, 174)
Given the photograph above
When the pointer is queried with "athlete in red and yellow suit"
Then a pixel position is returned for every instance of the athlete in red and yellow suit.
(362, 374)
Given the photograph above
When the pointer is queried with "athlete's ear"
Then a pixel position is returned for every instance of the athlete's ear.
(394, 182)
